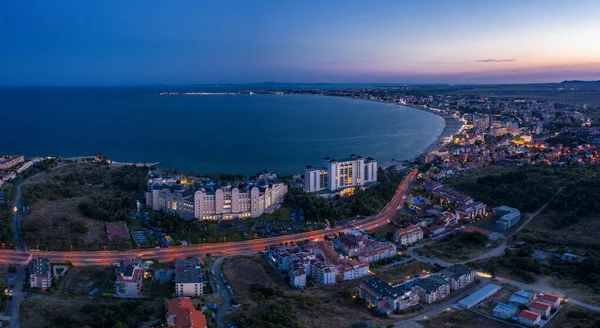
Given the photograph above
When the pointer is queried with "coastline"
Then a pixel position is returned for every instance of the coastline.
(451, 127)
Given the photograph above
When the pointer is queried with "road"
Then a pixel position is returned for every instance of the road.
(13, 306)
(168, 254)
(497, 251)
(225, 305)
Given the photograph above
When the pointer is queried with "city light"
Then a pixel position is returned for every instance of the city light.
(483, 274)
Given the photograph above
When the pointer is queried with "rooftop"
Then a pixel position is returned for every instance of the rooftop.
(529, 315)
(455, 271)
(539, 306)
(182, 314)
(188, 271)
(550, 297)
(383, 289)
(431, 284)
(39, 266)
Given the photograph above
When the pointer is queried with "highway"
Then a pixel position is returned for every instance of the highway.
(168, 254)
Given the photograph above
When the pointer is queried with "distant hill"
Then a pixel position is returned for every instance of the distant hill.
(579, 82)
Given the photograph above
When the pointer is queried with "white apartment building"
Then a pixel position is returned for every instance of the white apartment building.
(354, 171)
(322, 273)
(189, 279)
(175, 199)
(349, 271)
(214, 202)
(129, 280)
(226, 203)
(509, 217)
(459, 276)
(315, 179)
(432, 289)
(409, 235)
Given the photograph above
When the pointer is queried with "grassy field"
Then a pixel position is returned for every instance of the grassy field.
(453, 250)
(542, 233)
(403, 272)
(461, 319)
(52, 311)
(56, 219)
(573, 316)
(79, 281)
(316, 307)
(384, 231)
(61, 215)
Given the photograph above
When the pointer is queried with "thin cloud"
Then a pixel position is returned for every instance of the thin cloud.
(438, 63)
(495, 60)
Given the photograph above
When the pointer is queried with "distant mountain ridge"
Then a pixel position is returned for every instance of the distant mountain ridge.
(580, 82)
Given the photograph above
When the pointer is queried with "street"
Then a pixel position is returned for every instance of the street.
(13, 306)
(225, 305)
(255, 245)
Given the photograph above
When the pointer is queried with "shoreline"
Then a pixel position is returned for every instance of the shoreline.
(452, 126)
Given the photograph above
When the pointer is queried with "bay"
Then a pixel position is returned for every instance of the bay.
(237, 133)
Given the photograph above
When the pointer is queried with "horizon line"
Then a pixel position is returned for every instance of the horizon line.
(278, 83)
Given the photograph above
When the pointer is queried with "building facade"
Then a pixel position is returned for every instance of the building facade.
(351, 172)
(8, 163)
(509, 217)
(214, 202)
(130, 275)
(459, 276)
(432, 289)
(226, 203)
(315, 179)
(189, 278)
(408, 236)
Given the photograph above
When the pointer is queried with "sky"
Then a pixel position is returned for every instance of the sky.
(134, 42)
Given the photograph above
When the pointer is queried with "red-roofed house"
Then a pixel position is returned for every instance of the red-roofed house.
(551, 299)
(182, 314)
(529, 318)
(541, 308)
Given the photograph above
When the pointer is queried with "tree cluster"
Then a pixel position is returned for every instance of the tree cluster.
(111, 209)
(118, 315)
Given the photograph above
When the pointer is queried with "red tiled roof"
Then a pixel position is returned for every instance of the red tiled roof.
(186, 316)
(408, 230)
(550, 297)
(539, 306)
(529, 315)
(134, 276)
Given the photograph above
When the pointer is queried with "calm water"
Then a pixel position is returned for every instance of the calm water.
(212, 133)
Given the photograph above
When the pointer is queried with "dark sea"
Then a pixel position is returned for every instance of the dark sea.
(209, 133)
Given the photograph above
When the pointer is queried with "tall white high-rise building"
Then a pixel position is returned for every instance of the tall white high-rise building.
(354, 171)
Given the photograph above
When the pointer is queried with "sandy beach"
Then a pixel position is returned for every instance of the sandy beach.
(451, 127)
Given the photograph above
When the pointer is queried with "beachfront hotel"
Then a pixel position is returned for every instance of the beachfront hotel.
(220, 201)
(226, 202)
(354, 171)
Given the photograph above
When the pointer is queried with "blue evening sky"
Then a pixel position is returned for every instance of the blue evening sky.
(129, 42)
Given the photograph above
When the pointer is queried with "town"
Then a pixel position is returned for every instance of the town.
(409, 262)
